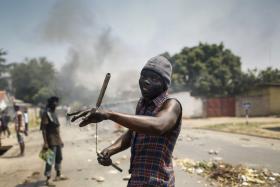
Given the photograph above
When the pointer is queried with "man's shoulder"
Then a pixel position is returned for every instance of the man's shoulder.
(173, 99)
(45, 113)
(172, 102)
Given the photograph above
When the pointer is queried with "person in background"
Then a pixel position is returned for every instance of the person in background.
(68, 110)
(26, 120)
(0, 129)
(20, 129)
(50, 127)
(5, 119)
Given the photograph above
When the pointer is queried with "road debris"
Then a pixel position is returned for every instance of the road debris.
(189, 139)
(217, 158)
(113, 171)
(213, 152)
(245, 139)
(126, 178)
(124, 157)
(224, 174)
(118, 162)
(35, 174)
(98, 179)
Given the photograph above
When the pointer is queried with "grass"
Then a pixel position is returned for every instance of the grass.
(34, 122)
(252, 128)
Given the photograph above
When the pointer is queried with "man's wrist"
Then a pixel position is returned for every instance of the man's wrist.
(108, 115)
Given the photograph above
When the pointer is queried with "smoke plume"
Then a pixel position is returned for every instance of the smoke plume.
(93, 51)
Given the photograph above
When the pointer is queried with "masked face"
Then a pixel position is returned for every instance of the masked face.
(53, 105)
(151, 84)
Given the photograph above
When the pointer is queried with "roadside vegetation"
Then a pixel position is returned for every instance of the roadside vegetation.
(261, 129)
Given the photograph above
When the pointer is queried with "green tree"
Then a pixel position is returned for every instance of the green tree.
(254, 78)
(248, 80)
(207, 70)
(33, 80)
(269, 75)
(3, 70)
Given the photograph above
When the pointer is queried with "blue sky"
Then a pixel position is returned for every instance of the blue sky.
(133, 31)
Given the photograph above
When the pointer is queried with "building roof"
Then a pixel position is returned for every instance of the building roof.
(2, 95)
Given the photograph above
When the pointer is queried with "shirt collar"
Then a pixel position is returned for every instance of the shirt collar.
(158, 100)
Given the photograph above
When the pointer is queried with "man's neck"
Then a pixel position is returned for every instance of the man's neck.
(149, 100)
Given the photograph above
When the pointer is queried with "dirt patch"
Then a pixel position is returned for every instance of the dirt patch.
(260, 129)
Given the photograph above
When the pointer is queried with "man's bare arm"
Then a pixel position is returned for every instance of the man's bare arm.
(157, 125)
(153, 125)
(122, 143)
(44, 123)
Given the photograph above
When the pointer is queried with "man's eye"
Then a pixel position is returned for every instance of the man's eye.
(154, 78)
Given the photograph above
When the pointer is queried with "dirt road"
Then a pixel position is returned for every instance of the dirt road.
(81, 167)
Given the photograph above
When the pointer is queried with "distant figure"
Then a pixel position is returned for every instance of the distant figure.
(68, 110)
(26, 121)
(5, 119)
(20, 129)
(50, 127)
(0, 130)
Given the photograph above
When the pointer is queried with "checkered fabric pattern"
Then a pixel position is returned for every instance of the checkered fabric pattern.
(151, 156)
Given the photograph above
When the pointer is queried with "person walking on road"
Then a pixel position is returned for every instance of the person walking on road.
(26, 121)
(20, 129)
(5, 119)
(50, 127)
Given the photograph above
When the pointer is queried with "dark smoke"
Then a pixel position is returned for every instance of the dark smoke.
(93, 51)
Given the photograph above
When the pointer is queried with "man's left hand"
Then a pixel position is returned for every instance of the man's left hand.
(79, 114)
(95, 117)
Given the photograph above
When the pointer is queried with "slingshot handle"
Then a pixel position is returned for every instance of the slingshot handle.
(103, 89)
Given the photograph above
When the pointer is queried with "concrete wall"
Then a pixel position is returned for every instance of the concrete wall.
(259, 100)
(259, 106)
(192, 106)
(274, 100)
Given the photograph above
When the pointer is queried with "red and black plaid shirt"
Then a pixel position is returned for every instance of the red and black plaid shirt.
(151, 156)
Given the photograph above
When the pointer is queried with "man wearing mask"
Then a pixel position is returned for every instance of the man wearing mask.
(50, 127)
(153, 131)
(20, 129)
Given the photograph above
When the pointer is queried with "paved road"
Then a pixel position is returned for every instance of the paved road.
(81, 167)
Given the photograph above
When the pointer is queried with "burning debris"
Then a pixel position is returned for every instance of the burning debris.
(224, 174)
